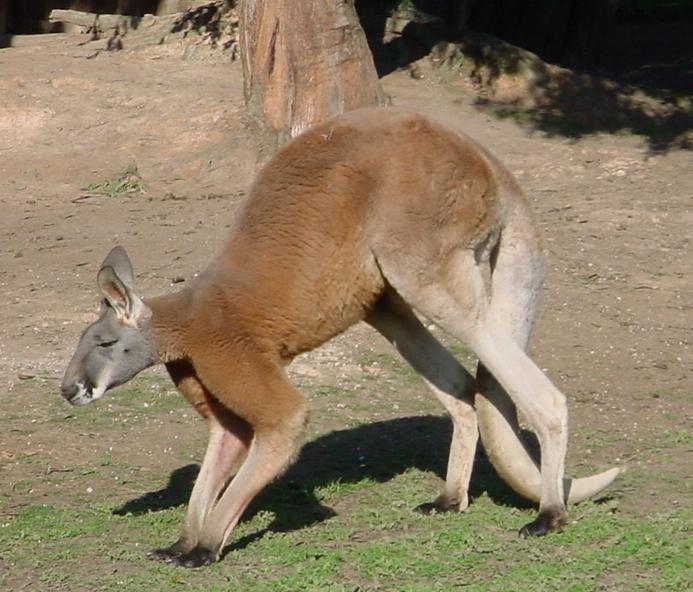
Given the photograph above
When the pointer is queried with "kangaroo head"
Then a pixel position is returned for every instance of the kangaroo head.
(119, 344)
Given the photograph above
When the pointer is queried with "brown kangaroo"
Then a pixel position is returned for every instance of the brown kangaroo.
(370, 216)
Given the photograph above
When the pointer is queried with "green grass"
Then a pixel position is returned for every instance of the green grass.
(339, 520)
(127, 181)
(378, 544)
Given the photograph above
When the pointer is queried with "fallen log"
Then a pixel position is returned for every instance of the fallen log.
(106, 22)
(211, 23)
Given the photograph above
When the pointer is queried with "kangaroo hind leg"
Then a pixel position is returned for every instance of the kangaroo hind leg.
(516, 282)
(453, 292)
(450, 383)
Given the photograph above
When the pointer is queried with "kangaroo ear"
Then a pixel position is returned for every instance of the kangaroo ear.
(115, 282)
(120, 262)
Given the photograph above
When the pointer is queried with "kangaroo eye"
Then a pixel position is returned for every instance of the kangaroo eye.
(105, 344)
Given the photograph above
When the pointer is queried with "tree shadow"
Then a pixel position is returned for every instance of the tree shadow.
(378, 452)
(391, 49)
(561, 102)
(515, 83)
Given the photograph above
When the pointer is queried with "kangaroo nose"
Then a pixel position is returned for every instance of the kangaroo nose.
(69, 390)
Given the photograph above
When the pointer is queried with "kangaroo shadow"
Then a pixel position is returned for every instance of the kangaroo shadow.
(176, 493)
(378, 451)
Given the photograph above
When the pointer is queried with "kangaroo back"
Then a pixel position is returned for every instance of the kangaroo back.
(308, 238)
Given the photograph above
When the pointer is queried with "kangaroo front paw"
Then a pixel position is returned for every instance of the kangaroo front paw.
(197, 557)
(167, 553)
(444, 503)
(441, 504)
(545, 522)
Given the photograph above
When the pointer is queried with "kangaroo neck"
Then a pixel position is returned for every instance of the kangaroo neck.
(168, 324)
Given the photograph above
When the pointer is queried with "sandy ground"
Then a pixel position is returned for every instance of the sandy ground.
(615, 331)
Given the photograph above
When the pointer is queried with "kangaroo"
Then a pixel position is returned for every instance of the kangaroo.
(370, 216)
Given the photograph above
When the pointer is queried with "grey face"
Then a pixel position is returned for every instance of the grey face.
(110, 352)
(117, 346)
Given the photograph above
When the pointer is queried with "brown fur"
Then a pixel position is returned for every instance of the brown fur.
(300, 265)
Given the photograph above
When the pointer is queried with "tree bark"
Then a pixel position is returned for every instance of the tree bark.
(303, 62)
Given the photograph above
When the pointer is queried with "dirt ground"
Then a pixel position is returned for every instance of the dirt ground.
(615, 329)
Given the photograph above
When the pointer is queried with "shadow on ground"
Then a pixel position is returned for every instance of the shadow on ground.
(378, 451)
(643, 88)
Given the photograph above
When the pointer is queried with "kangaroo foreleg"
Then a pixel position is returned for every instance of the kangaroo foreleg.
(276, 439)
(229, 440)
(225, 452)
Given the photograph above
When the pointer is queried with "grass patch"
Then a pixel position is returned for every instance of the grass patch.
(127, 181)
(375, 546)
(339, 520)
(391, 365)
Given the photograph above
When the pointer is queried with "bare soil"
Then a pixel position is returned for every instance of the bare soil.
(614, 334)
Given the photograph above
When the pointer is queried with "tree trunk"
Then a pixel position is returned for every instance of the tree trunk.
(303, 62)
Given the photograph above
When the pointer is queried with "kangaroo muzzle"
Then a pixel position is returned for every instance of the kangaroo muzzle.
(80, 393)
(68, 391)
